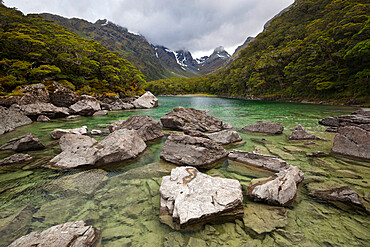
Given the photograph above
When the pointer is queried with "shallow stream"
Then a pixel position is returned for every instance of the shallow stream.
(123, 199)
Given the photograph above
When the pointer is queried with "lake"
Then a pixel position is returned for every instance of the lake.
(123, 199)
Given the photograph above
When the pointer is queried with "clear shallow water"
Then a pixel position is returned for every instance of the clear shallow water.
(123, 200)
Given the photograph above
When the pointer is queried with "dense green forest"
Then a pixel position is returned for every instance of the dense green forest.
(35, 50)
(319, 49)
(132, 47)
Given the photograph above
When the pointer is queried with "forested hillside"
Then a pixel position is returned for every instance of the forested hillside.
(319, 49)
(130, 46)
(33, 50)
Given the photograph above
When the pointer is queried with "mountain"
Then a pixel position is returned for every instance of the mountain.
(183, 63)
(155, 62)
(314, 49)
(133, 47)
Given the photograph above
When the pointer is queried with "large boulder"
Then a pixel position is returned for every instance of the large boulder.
(12, 118)
(265, 127)
(192, 119)
(15, 159)
(76, 141)
(62, 96)
(77, 150)
(334, 193)
(68, 234)
(279, 190)
(147, 127)
(352, 141)
(299, 133)
(117, 146)
(43, 118)
(146, 101)
(225, 137)
(86, 106)
(26, 142)
(191, 197)
(115, 104)
(188, 150)
(359, 118)
(269, 162)
(47, 109)
(58, 133)
(35, 93)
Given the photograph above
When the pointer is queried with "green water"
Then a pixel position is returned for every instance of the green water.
(124, 201)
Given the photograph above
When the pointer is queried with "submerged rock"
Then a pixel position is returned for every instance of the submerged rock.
(352, 141)
(86, 106)
(147, 127)
(147, 100)
(225, 137)
(15, 159)
(43, 118)
(265, 127)
(331, 192)
(263, 218)
(85, 183)
(117, 146)
(16, 225)
(191, 197)
(192, 119)
(26, 142)
(68, 234)
(188, 150)
(269, 162)
(299, 133)
(12, 118)
(279, 190)
(360, 118)
(58, 133)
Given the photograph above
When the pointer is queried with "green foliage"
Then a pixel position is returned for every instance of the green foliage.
(33, 49)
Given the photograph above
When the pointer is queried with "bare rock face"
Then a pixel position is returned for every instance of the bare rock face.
(62, 96)
(299, 133)
(279, 190)
(86, 106)
(225, 137)
(352, 141)
(76, 141)
(192, 119)
(120, 145)
(189, 150)
(26, 142)
(43, 118)
(265, 127)
(15, 159)
(58, 133)
(269, 162)
(331, 192)
(191, 197)
(12, 118)
(146, 101)
(77, 151)
(147, 127)
(35, 93)
(68, 234)
(81, 151)
(47, 109)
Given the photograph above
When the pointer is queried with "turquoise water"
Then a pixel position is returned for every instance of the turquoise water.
(123, 200)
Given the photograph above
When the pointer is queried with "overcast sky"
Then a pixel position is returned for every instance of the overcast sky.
(196, 25)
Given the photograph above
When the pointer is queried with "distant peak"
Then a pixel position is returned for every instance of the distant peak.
(219, 49)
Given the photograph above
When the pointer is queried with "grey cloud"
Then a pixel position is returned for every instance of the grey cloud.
(198, 25)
